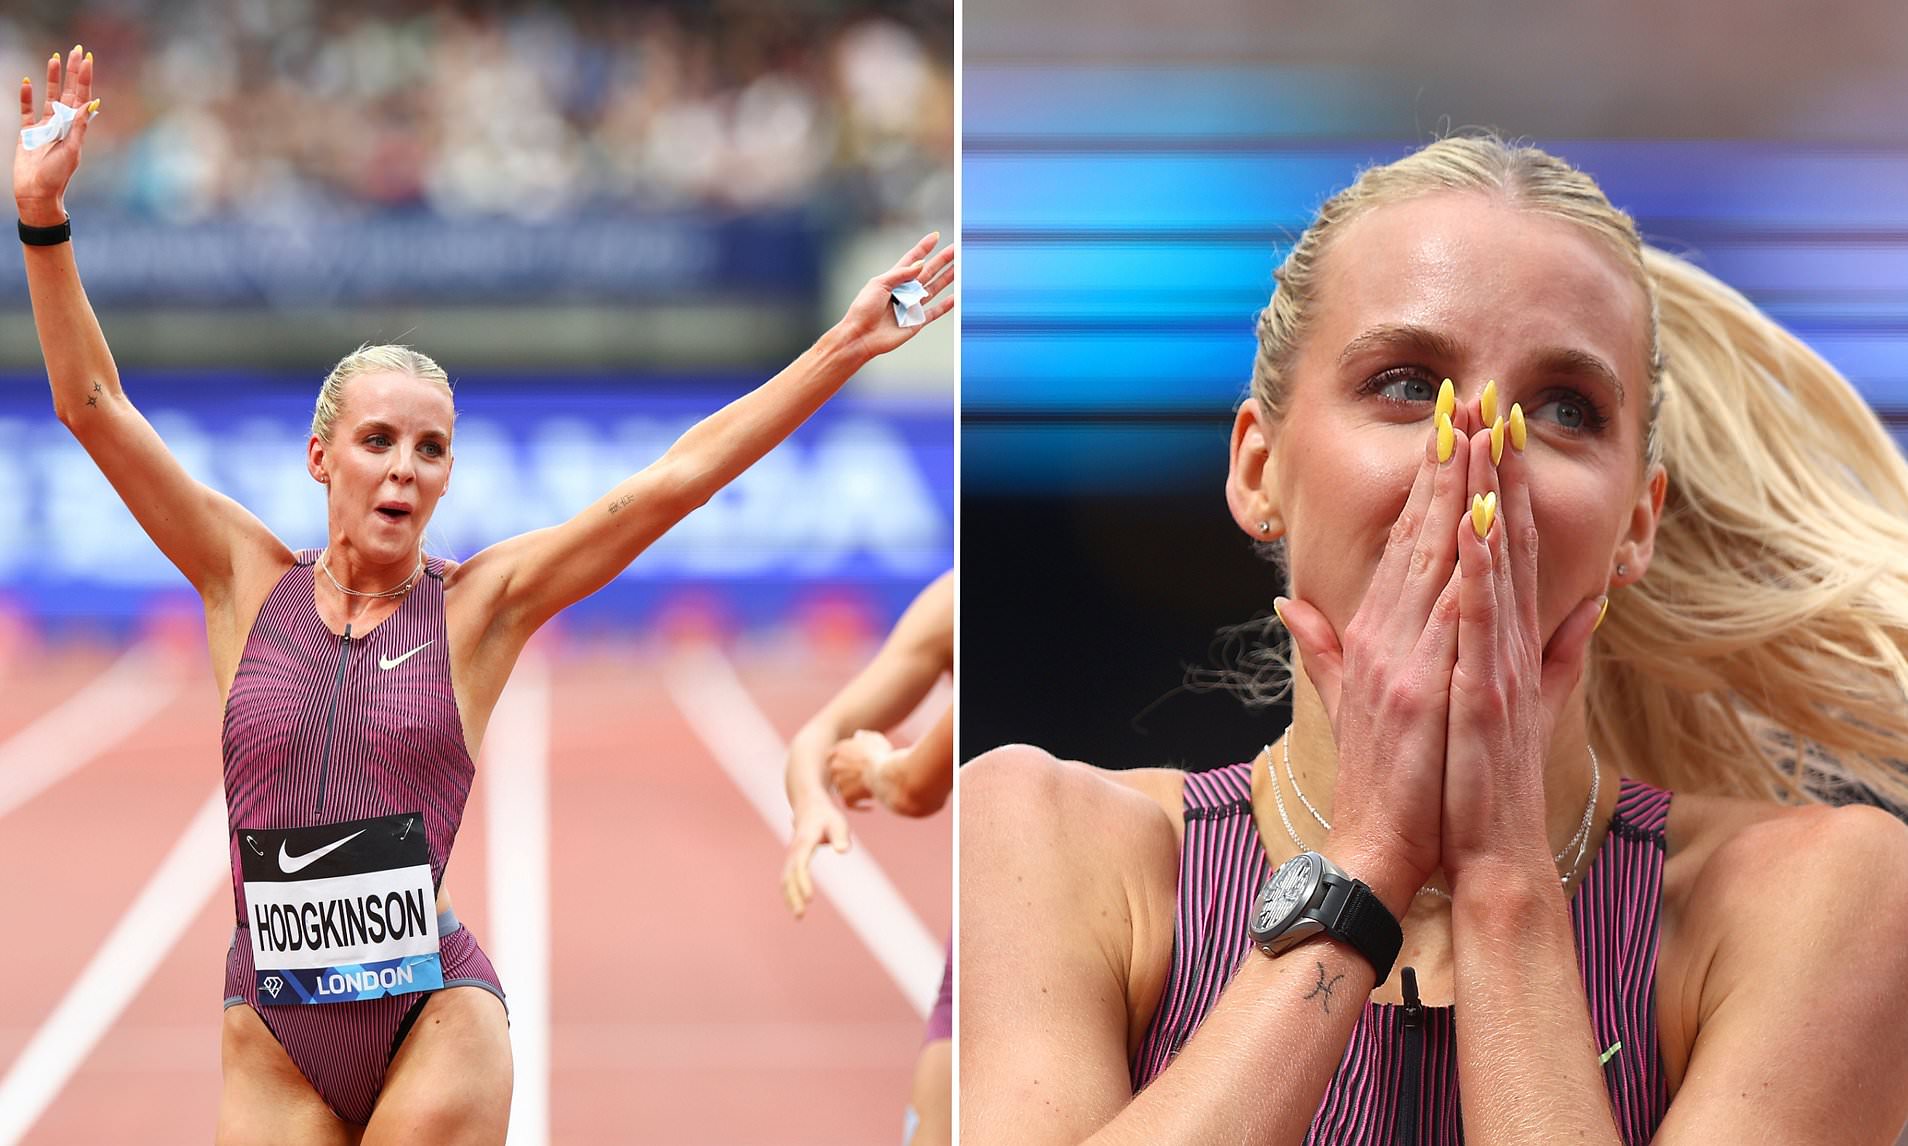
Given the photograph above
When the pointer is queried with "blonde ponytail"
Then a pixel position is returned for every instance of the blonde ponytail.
(1763, 653)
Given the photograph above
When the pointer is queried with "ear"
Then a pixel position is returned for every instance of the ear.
(1638, 543)
(1252, 488)
(315, 451)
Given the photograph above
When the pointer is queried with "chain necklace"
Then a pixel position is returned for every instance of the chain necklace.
(1580, 841)
(324, 562)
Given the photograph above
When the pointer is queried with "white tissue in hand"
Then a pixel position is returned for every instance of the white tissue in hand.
(57, 128)
(907, 303)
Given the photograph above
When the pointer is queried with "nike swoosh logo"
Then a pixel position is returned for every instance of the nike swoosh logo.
(291, 864)
(388, 663)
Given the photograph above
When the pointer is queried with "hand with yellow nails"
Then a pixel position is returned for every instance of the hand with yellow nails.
(1508, 685)
(41, 176)
(1452, 607)
(1385, 684)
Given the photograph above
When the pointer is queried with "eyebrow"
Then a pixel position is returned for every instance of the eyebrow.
(1569, 361)
(379, 425)
(1423, 340)
(1401, 336)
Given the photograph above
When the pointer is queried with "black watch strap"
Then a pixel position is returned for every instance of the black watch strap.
(1366, 923)
(47, 236)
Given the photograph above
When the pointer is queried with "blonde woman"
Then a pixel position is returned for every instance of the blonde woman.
(358, 679)
(1642, 542)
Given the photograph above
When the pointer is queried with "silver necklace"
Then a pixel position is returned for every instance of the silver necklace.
(324, 562)
(1580, 841)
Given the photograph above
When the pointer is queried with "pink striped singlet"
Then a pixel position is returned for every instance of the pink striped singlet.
(320, 729)
(1398, 1081)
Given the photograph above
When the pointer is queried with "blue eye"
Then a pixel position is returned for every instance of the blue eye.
(1403, 385)
(1570, 411)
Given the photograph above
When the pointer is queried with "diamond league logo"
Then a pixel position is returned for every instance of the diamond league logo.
(274, 984)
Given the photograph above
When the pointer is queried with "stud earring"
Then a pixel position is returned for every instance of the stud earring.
(1623, 570)
(1265, 527)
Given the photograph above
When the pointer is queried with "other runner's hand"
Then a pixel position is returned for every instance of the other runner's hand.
(852, 764)
(41, 176)
(818, 818)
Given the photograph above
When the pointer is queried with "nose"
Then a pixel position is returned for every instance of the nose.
(403, 466)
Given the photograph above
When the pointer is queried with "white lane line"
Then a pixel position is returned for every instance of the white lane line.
(192, 872)
(517, 806)
(103, 712)
(738, 734)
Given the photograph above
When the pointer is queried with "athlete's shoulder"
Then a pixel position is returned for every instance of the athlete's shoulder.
(1774, 901)
(1744, 847)
(1760, 884)
(1058, 856)
(1031, 788)
(1722, 842)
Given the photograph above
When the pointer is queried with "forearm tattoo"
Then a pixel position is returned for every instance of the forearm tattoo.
(93, 399)
(1322, 991)
(621, 502)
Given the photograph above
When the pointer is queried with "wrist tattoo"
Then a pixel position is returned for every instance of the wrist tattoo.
(1323, 989)
(621, 502)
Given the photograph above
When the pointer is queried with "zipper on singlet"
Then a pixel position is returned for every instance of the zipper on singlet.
(1413, 1060)
(331, 722)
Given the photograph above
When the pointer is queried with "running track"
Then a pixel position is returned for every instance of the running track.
(616, 838)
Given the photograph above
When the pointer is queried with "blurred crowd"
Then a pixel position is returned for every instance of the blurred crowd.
(266, 109)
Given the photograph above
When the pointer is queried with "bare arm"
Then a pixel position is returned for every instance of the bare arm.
(208, 536)
(542, 572)
(1801, 1038)
(916, 780)
(1062, 874)
(1527, 1064)
(917, 651)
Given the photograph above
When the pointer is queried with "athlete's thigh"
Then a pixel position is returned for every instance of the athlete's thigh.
(263, 1098)
(933, 1096)
(450, 1081)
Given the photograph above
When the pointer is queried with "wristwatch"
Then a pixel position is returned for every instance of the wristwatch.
(1309, 894)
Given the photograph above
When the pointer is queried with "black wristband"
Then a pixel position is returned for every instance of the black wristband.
(47, 236)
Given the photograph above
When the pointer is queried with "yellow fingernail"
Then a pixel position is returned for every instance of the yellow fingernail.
(1447, 437)
(1447, 399)
(1483, 512)
(1488, 403)
(1601, 610)
(1497, 441)
(93, 107)
(1279, 612)
(89, 57)
(78, 48)
(1519, 432)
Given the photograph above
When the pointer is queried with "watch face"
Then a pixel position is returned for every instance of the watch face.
(1288, 887)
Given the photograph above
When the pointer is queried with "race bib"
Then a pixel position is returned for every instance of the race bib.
(342, 911)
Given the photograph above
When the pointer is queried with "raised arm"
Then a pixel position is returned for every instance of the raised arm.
(210, 537)
(539, 573)
(918, 650)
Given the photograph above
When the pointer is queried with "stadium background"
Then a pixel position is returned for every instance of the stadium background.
(1132, 175)
(604, 219)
